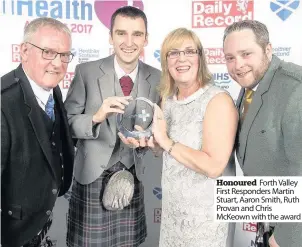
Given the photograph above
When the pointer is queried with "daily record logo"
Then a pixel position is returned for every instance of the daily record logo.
(249, 227)
(65, 84)
(66, 9)
(16, 58)
(214, 55)
(284, 8)
(222, 13)
(157, 215)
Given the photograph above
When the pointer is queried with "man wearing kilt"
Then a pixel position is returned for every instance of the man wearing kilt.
(37, 152)
(100, 89)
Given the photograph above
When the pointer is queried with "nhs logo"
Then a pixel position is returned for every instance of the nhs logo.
(221, 77)
(222, 80)
(284, 8)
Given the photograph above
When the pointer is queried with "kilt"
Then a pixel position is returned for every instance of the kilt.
(89, 224)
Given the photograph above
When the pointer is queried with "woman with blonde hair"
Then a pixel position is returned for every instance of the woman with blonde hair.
(196, 132)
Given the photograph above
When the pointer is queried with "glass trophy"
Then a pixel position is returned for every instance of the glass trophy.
(139, 112)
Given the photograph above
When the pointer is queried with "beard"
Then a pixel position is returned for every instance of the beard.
(263, 67)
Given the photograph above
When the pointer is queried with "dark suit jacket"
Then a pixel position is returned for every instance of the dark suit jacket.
(29, 181)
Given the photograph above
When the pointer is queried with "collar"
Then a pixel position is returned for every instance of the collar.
(120, 72)
(255, 88)
(39, 92)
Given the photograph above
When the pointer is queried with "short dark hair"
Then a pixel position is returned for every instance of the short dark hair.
(259, 29)
(129, 11)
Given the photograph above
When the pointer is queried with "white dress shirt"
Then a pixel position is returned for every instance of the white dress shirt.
(41, 94)
(120, 72)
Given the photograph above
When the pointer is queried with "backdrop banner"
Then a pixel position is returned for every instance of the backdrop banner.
(89, 22)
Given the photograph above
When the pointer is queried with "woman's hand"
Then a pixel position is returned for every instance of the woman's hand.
(154, 146)
(159, 128)
(132, 142)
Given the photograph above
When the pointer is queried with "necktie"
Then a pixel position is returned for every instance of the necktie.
(126, 84)
(248, 97)
(49, 108)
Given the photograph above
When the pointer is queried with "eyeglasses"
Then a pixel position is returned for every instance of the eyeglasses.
(51, 55)
(187, 53)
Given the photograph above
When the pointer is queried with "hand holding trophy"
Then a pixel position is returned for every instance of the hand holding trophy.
(135, 128)
(135, 125)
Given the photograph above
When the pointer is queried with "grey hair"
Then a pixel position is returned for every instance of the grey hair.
(259, 29)
(38, 23)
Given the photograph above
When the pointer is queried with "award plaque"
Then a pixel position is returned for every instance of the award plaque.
(139, 112)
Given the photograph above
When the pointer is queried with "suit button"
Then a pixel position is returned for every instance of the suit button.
(53, 144)
(61, 154)
(10, 212)
(54, 191)
(48, 212)
(111, 145)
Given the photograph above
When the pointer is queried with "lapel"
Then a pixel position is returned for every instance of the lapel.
(257, 102)
(240, 100)
(34, 115)
(143, 87)
(239, 107)
(106, 85)
(64, 122)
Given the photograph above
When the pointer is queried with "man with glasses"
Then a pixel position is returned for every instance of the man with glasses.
(36, 146)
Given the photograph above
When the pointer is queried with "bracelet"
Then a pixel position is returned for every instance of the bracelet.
(172, 145)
